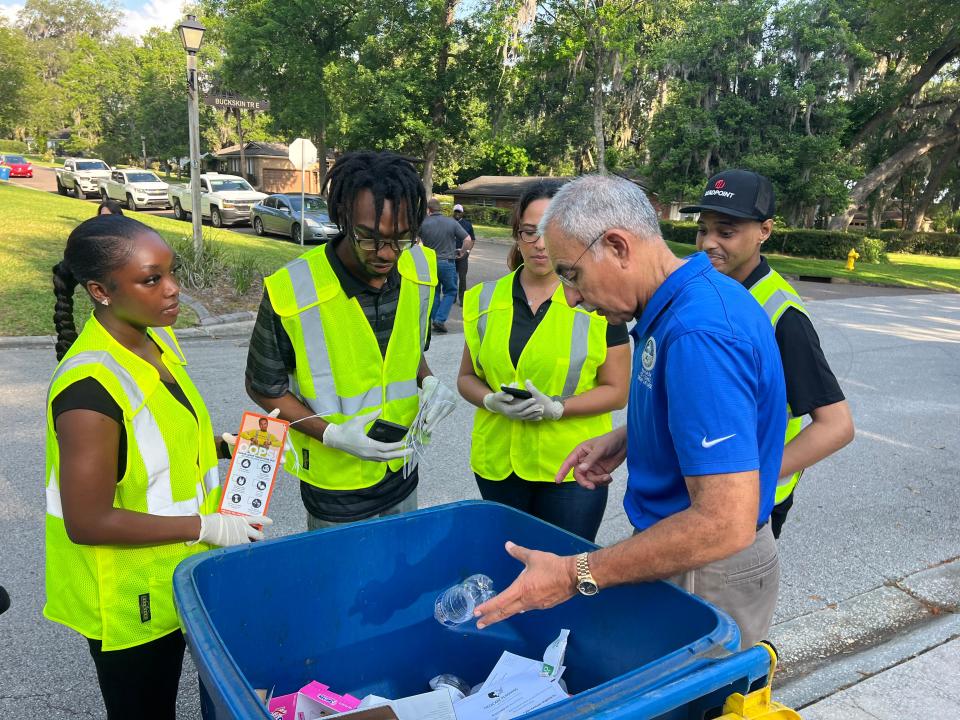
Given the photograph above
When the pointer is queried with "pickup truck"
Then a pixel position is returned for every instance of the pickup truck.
(79, 176)
(225, 199)
(137, 188)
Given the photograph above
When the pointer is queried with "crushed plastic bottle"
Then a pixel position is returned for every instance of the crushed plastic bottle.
(455, 605)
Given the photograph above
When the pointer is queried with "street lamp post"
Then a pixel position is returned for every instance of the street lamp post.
(143, 146)
(191, 35)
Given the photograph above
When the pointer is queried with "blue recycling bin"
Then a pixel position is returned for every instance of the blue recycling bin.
(352, 607)
(4, 172)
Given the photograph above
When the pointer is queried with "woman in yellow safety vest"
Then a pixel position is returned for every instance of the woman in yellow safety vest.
(131, 465)
(572, 366)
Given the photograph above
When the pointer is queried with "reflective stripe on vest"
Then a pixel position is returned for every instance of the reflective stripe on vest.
(423, 274)
(781, 297)
(149, 441)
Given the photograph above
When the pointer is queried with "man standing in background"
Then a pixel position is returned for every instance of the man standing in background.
(463, 251)
(443, 235)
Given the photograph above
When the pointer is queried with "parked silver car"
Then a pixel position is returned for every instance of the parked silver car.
(280, 215)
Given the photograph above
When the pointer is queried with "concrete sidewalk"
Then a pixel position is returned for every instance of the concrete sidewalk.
(926, 686)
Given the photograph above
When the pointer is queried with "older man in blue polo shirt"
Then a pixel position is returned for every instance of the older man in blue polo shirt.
(705, 425)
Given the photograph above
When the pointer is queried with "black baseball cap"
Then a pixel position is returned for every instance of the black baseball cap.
(738, 193)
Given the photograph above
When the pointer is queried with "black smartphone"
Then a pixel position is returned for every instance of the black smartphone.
(386, 431)
(518, 393)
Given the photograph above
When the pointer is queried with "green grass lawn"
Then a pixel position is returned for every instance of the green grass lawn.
(919, 271)
(33, 231)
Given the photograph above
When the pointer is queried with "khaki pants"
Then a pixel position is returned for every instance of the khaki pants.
(744, 585)
(408, 504)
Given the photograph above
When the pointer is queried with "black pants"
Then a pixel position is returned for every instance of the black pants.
(779, 515)
(462, 276)
(568, 505)
(140, 682)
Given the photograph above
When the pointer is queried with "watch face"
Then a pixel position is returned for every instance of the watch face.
(587, 588)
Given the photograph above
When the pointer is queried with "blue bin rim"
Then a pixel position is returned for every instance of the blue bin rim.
(217, 659)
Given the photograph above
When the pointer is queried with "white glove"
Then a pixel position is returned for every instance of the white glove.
(226, 530)
(442, 402)
(552, 409)
(507, 405)
(351, 437)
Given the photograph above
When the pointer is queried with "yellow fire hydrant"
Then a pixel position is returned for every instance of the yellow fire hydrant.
(852, 257)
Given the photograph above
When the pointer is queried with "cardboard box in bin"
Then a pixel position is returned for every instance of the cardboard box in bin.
(314, 700)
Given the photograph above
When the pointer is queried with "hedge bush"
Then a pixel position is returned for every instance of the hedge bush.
(822, 244)
(486, 215)
(925, 243)
(13, 146)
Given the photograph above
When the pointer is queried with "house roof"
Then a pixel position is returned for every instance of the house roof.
(254, 149)
(502, 186)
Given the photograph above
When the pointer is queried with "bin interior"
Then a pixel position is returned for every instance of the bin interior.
(352, 607)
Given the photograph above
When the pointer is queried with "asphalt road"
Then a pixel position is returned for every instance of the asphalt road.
(884, 507)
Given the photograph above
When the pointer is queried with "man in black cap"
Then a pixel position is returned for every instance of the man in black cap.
(736, 212)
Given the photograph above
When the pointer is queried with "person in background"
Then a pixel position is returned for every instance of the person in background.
(109, 207)
(736, 213)
(442, 234)
(463, 251)
(519, 330)
(339, 341)
(705, 420)
(131, 465)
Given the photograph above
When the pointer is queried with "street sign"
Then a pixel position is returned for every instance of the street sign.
(225, 102)
(303, 153)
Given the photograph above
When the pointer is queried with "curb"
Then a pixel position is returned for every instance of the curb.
(844, 643)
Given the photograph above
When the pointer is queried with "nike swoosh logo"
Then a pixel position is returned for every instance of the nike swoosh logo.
(710, 443)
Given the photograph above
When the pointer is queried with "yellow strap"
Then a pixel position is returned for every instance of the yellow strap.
(758, 705)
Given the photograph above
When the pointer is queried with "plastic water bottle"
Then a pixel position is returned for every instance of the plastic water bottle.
(455, 605)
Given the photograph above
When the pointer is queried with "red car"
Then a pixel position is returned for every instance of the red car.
(19, 166)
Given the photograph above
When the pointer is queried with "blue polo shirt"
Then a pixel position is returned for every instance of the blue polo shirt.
(707, 394)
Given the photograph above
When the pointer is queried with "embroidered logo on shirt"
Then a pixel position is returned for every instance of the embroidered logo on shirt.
(145, 607)
(649, 356)
(710, 443)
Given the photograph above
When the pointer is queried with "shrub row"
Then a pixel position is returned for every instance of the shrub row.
(486, 215)
(834, 245)
(13, 146)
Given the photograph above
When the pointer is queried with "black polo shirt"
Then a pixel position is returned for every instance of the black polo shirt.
(271, 360)
(526, 320)
(810, 382)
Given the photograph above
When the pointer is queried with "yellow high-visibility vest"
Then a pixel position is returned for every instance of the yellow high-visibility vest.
(775, 295)
(340, 372)
(561, 358)
(123, 594)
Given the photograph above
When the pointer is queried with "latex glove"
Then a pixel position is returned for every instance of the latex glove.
(552, 409)
(231, 440)
(351, 437)
(442, 402)
(514, 408)
(225, 530)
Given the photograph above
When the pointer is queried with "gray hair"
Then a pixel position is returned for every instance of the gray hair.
(587, 207)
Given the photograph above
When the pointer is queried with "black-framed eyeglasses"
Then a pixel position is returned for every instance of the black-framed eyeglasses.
(566, 277)
(365, 241)
(529, 236)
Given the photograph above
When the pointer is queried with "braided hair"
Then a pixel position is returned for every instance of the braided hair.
(539, 191)
(387, 176)
(95, 248)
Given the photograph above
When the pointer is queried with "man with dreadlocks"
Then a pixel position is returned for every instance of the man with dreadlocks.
(339, 342)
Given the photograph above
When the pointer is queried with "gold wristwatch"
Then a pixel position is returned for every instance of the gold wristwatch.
(586, 585)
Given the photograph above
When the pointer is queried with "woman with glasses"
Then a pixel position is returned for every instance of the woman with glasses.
(564, 369)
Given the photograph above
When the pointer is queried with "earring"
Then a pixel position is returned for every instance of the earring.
(105, 301)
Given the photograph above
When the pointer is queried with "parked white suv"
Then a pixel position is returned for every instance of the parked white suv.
(80, 175)
(135, 187)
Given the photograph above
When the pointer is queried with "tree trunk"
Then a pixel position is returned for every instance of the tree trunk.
(438, 113)
(321, 143)
(934, 180)
(598, 108)
(939, 57)
(894, 166)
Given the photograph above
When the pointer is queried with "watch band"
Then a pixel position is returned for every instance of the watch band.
(586, 584)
